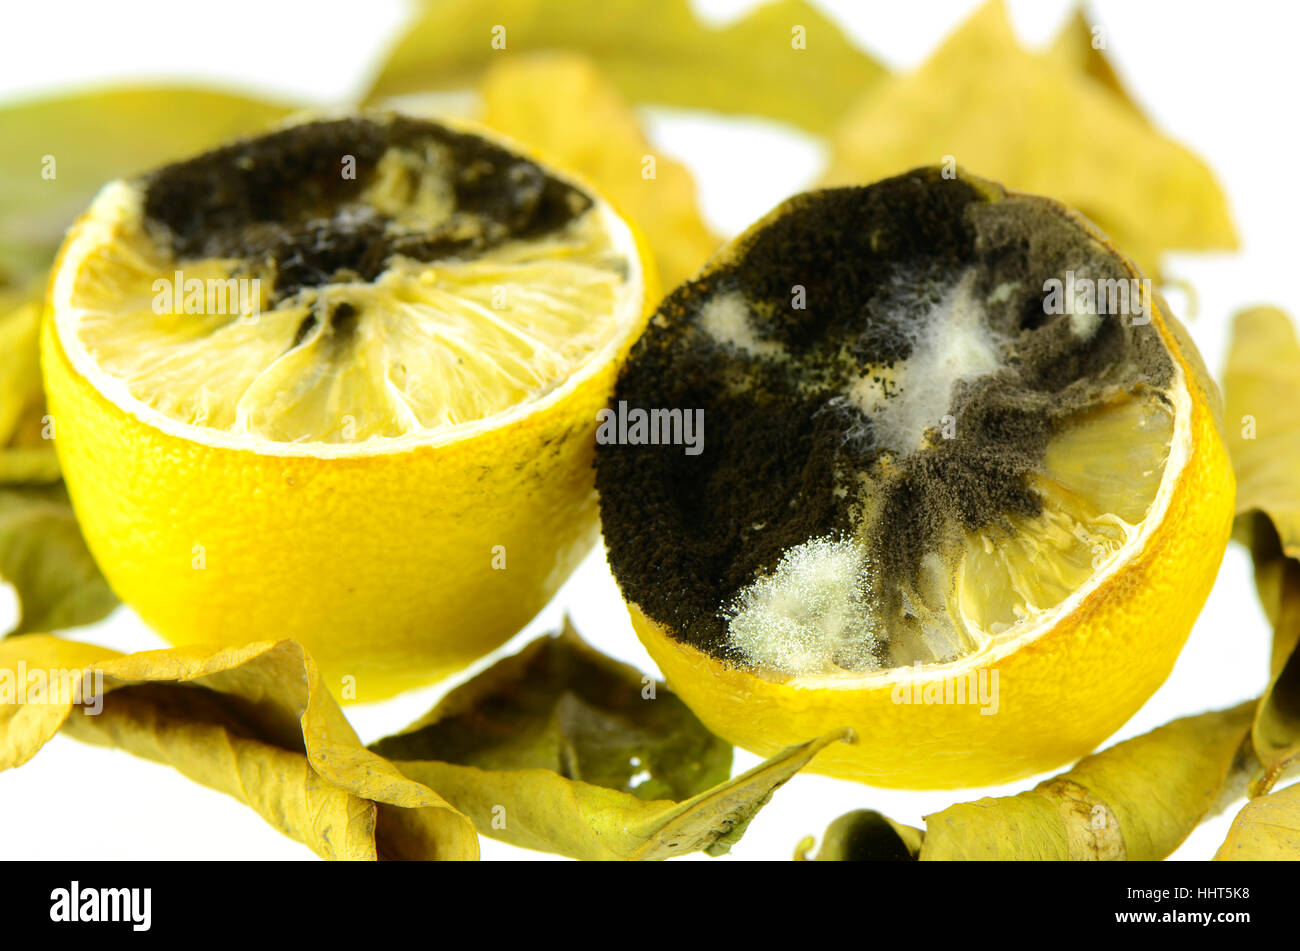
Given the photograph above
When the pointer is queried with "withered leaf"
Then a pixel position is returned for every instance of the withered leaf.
(540, 809)
(1276, 730)
(42, 553)
(1261, 385)
(1036, 125)
(572, 116)
(57, 151)
(21, 397)
(785, 60)
(1081, 45)
(44, 557)
(29, 465)
(1275, 734)
(253, 721)
(1266, 829)
(864, 835)
(560, 705)
(1137, 800)
(1261, 389)
(561, 749)
(21, 262)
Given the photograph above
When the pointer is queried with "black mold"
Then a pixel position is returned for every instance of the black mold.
(282, 200)
(680, 530)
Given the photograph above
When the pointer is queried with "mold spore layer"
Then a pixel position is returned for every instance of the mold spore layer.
(338, 200)
(855, 441)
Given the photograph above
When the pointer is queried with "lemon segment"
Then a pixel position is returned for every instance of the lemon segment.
(1099, 479)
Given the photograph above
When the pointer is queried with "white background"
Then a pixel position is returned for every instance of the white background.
(1219, 77)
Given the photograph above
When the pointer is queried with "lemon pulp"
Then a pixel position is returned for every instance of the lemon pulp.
(422, 348)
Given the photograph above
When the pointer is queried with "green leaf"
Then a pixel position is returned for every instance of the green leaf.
(1137, 800)
(864, 835)
(562, 706)
(57, 151)
(1266, 829)
(43, 555)
(654, 50)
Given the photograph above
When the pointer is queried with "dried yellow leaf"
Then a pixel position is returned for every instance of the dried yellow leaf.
(1036, 125)
(42, 554)
(1266, 829)
(561, 705)
(44, 557)
(1137, 800)
(20, 370)
(568, 112)
(1276, 730)
(864, 835)
(540, 809)
(1081, 45)
(785, 60)
(253, 722)
(1261, 389)
(562, 749)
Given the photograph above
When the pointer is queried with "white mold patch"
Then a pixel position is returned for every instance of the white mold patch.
(812, 614)
(1084, 322)
(953, 343)
(727, 319)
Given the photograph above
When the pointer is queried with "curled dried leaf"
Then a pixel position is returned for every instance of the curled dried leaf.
(1137, 800)
(1261, 384)
(1275, 733)
(1276, 730)
(254, 722)
(785, 60)
(1261, 389)
(864, 835)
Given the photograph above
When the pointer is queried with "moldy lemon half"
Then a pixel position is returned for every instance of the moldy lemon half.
(339, 383)
(944, 500)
